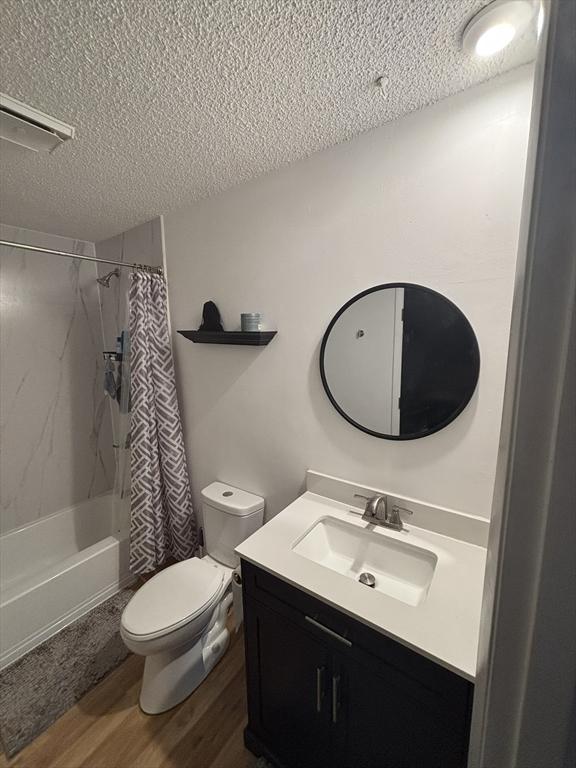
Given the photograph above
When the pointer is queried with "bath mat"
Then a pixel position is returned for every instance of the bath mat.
(50, 679)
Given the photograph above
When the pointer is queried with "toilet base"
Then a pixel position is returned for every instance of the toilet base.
(171, 676)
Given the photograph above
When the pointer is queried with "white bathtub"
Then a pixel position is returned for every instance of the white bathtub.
(55, 570)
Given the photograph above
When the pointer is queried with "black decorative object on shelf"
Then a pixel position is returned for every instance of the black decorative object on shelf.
(211, 318)
(246, 338)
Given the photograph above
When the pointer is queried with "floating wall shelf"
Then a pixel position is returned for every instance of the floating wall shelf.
(247, 338)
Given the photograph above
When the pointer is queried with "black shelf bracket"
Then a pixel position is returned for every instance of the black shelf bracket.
(246, 338)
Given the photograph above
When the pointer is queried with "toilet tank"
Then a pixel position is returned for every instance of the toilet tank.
(230, 516)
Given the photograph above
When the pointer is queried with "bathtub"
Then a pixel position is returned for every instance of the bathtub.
(55, 570)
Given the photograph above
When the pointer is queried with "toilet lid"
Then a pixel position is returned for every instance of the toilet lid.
(174, 596)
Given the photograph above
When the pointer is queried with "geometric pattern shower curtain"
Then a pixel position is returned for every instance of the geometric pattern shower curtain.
(163, 523)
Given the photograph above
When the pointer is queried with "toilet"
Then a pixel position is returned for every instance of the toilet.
(177, 619)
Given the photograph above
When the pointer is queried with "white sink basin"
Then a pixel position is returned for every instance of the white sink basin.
(401, 570)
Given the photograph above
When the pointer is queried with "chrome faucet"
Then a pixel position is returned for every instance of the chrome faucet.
(377, 512)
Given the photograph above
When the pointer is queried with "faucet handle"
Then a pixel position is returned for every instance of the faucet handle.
(370, 506)
(398, 509)
(393, 518)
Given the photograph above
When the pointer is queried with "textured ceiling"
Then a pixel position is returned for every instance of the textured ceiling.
(174, 100)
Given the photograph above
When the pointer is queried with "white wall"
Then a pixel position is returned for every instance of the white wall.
(433, 199)
(56, 437)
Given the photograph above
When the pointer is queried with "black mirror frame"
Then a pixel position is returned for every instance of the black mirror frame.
(381, 435)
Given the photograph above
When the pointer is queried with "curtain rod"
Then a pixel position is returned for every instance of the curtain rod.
(24, 247)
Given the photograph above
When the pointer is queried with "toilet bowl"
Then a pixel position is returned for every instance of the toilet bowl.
(177, 619)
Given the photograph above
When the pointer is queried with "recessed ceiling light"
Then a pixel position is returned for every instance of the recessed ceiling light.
(495, 26)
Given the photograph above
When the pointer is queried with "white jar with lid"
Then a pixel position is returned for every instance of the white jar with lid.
(251, 321)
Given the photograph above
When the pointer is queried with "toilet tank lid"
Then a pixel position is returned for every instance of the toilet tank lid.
(232, 500)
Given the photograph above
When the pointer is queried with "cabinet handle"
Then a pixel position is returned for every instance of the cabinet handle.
(329, 631)
(335, 697)
(319, 688)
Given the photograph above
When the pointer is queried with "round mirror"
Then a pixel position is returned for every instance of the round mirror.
(399, 361)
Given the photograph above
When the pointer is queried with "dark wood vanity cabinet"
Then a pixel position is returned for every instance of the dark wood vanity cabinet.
(325, 691)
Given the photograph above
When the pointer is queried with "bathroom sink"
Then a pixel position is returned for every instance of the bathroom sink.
(399, 569)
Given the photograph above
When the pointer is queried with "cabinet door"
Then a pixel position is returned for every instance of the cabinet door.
(288, 676)
(390, 720)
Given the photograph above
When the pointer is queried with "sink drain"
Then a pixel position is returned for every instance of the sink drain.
(367, 579)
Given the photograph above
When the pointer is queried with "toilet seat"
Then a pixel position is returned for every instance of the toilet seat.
(173, 598)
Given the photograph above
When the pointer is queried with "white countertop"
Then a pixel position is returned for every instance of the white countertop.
(444, 626)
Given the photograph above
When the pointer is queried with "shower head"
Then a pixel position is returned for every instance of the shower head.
(105, 281)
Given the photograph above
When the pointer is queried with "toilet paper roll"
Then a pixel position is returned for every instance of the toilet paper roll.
(237, 598)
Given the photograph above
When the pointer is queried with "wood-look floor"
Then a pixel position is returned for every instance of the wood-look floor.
(106, 729)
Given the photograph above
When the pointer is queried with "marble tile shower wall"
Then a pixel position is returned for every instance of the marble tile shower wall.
(55, 425)
(140, 245)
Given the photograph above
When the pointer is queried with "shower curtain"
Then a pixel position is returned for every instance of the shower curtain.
(163, 523)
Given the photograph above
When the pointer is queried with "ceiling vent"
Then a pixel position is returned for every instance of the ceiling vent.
(31, 128)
